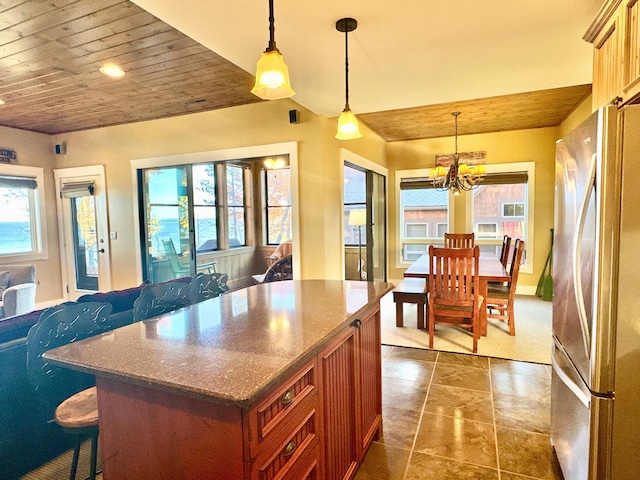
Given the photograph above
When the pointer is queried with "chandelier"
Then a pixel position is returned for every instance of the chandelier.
(460, 176)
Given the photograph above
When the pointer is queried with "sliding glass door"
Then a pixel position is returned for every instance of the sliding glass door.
(364, 224)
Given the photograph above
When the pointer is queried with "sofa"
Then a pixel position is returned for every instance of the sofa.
(17, 289)
(28, 438)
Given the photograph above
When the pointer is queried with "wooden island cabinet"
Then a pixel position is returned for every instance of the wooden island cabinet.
(276, 381)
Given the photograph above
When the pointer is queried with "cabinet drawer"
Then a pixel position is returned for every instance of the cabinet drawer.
(276, 410)
(290, 456)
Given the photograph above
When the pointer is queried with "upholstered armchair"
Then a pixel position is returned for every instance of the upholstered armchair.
(18, 289)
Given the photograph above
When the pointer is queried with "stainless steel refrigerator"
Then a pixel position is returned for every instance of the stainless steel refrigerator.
(595, 397)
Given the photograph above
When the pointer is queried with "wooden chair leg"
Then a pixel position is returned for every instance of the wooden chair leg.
(511, 319)
(420, 307)
(399, 314)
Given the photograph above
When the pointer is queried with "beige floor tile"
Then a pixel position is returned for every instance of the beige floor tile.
(521, 385)
(500, 365)
(403, 393)
(399, 426)
(405, 369)
(460, 403)
(527, 453)
(414, 354)
(383, 462)
(457, 439)
(463, 360)
(522, 413)
(422, 467)
(462, 376)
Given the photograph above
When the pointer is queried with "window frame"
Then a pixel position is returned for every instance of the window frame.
(37, 214)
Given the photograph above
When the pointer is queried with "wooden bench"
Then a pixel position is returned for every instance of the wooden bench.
(411, 290)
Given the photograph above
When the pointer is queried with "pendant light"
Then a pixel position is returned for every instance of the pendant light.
(272, 74)
(348, 128)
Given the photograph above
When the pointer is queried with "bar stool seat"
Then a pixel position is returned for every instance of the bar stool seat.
(78, 415)
(411, 290)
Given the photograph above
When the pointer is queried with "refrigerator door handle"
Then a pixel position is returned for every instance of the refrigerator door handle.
(570, 384)
(577, 279)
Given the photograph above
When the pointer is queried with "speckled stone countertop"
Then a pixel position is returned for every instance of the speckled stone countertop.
(231, 348)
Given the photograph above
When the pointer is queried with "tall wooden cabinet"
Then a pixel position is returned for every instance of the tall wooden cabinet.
(615, 34)
(351, 400)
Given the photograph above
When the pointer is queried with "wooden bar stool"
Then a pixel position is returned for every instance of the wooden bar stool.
(411, 290)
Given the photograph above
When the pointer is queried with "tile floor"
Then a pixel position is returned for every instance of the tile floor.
(450, 416)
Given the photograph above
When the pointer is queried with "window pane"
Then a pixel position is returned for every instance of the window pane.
(16, 235)
(428, 206)
(204, 210)
(355, 188)
(235, 198)
(278, 205)
(416, 230)
(236, 226)
(413, 251)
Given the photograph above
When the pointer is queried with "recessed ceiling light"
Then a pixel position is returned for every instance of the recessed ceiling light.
(112, 71)
(1, 102)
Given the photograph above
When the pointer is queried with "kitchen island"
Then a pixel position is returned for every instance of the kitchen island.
(280, 380)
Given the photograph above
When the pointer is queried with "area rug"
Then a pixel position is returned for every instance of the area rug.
(532, 342)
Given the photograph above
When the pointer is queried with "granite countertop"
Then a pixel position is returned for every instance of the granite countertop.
(228, 349)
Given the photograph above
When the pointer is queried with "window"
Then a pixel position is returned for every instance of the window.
(502, 205)
(487, 230)
(277, 194)
(236, 205)
(23, 219)
(424, 213)
(513, 209)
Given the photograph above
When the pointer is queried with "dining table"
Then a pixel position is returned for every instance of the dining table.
(491, 270)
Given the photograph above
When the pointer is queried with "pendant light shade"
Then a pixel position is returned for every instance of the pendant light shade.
(272, 74)
(348, 128)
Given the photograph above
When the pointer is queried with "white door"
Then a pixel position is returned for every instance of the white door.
(84, 234)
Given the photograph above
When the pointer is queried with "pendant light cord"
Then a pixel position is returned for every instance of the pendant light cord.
(272, 29)
(346, 69)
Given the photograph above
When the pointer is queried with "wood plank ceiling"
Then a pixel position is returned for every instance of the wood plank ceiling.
(545, 108)
(51, 52)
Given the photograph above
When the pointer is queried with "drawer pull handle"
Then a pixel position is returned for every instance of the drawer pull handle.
(357, 323)
(288, 397)
(289, 449)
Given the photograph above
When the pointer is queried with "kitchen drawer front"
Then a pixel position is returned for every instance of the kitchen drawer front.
(286, 456)
(307, 468)
(276, 410)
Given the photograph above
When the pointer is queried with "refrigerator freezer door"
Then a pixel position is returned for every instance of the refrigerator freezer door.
(586, 222)
(575, 242)
(580, 423)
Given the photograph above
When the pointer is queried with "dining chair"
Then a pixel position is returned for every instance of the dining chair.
(207, 285)
(453, 297)
(459, 240)
(60, 325)
(504, 253)
(281, 270)
(501, 298)
(158, 298)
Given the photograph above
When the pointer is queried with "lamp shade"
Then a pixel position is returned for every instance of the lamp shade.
(357, 217)
(272, 77)
(348, 128)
